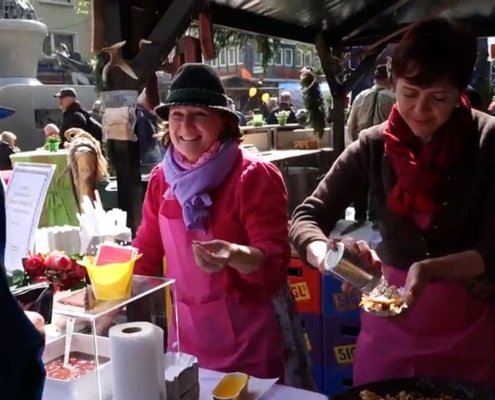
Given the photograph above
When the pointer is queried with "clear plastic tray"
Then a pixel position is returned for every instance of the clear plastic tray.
(95, 346)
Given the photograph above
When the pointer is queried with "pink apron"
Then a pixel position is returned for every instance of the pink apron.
(224, 334)
(448, 333)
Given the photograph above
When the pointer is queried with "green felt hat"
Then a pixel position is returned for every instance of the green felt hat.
(196, 85)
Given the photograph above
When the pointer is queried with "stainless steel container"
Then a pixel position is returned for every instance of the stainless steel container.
(347, 267)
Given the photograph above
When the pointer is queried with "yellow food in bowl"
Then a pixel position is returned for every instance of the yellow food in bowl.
(232, 387)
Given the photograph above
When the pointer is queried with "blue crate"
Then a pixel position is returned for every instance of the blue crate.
(312, 325)
(319, 375)
(336, 303)
(340, 337)
(336, 380)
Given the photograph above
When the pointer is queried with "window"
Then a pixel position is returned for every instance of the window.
(222, 62)
(308, 59)
(241, 55)
(54, 41)
(288, 57)
(231, 56)
(299, 58)
(257, 58)
(58, 2)
(278, 57)
(214, 62)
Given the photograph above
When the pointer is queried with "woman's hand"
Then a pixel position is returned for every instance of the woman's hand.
(37, 320)
(368, 258)
(212, 256)
(418, 276)
(316, 252)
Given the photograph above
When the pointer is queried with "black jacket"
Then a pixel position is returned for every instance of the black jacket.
(5, 152)
(22, 372)
(272, 118)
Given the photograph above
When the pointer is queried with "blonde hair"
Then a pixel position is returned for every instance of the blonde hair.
(8, 137)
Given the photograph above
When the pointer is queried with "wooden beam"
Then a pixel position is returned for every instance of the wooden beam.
(368, 16)
(337, 90)
(364, 66)
(172, 24)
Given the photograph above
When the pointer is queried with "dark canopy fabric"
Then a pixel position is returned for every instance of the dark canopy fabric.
(356, 22)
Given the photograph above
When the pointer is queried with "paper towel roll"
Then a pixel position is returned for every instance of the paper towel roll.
(137, 362)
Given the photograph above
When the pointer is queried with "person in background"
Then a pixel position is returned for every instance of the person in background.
(242, 118)
(51, 130)
(219, 215)
(145, 130)
(431, 167)
(75, 116)
(7, 148)
(474, 98)
(370, 107)
(285, 104)
(22, 372)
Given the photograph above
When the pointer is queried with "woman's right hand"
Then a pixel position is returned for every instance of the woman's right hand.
(316, 252)
(368, 258)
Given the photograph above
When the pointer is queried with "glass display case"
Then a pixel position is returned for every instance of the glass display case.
(87, 376)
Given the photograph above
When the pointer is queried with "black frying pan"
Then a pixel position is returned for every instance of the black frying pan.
(430, 387)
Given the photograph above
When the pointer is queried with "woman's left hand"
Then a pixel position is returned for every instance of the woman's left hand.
(212, 256)
(418, 276)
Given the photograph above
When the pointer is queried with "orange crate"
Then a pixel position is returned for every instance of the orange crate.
(305, 283)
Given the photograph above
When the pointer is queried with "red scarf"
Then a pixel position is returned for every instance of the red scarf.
(422, 169)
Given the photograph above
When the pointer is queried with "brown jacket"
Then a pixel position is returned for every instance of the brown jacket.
(465, 220)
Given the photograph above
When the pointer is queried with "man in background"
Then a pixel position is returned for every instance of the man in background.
(285, 104)
(75, 116)
(371, 107)
(231, 105)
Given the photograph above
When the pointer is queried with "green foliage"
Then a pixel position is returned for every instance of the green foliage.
(314, 102)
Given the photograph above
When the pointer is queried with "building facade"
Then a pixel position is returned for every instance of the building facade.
(285, 66)
(65, 26)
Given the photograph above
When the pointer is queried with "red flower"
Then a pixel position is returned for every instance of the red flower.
(34, 266)
(79, 272)
(58, 262)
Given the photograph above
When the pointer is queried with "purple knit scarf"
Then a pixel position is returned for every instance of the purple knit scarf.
(191, 187)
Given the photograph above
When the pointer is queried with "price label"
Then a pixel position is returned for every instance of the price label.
(347, 301)
(300, 291)
(344, 354)
(308, 342)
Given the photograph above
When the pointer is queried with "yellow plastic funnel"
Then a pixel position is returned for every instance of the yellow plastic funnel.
(111, 281)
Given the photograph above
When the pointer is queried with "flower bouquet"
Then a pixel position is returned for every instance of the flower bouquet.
(60, 270)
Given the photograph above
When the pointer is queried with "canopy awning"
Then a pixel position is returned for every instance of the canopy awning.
(350, 22)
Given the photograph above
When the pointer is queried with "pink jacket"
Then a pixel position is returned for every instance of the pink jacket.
(249, 208)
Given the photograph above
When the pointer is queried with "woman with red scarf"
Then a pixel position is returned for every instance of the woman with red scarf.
(431, 170)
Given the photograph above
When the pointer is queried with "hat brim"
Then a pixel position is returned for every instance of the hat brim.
(6, 112)
(163, 110)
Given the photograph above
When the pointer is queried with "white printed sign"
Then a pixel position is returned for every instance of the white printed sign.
(24, 200)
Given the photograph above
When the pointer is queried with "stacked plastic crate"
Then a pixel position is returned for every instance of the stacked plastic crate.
(305, 283)
(341, 325)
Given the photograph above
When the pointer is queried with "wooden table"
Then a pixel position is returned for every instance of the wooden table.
(60, 206)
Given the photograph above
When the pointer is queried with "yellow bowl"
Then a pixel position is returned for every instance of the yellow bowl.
(111, 281)
(232, 387)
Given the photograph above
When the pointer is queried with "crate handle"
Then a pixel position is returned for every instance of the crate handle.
(295, 271)
(352, 331)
